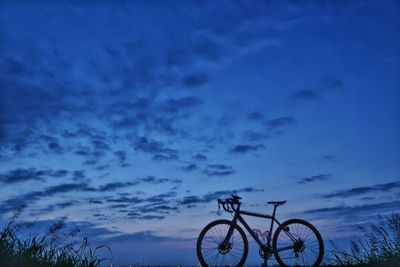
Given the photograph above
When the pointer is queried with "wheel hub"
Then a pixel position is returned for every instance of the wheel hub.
(223, 249)
(298, 246)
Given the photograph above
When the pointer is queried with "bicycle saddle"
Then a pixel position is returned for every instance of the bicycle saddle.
(277, 203)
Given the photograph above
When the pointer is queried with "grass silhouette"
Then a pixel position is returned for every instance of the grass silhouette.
(379, 245)
(55, 248)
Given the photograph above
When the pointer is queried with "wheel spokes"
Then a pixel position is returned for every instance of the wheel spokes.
(305, 251)
(215, 253)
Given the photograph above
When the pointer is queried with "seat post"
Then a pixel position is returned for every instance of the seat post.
(273, 213)
(271, 226)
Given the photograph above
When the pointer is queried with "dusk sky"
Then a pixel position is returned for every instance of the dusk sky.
(129, 119)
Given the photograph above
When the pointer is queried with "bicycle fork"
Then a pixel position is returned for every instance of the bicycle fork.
(228, 236)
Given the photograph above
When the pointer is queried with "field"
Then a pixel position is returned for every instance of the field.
(378, 245)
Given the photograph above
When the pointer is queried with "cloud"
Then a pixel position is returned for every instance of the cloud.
(213, 196)
(94, 148)
(152, 211)
(121, 155)
(113, 186)
(255, 136)
(255, 116)
(176, 105)
(329, 158)
(308, 94)
(154, 180)
(126, 72)
(280, 122)
(190, 167)
(91, 230)
(158, 199)
(140, 237)
(370, 209)
(333, 84)
(79, 174)
(28, 198)
(55, 147)
(356, 191)
(55, 207)
(31, 174)
(63, 188)
(176, 56)
(315, 178)
(315, 94)
(145, 180)
(218, 170)
(161, 198)
(165, 156)
(208, 49)
(145, 208)
(157, 149)
(31, 197)
(199, 157)
(194, 79)
(146, 217)
(242, 149)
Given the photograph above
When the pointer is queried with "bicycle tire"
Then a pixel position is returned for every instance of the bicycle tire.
(211, 228)
(292, 226)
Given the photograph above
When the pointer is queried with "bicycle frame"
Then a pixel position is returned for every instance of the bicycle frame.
(238, 217)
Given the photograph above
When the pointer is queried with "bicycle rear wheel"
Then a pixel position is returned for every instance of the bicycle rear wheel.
(298, 243)
(211, 250)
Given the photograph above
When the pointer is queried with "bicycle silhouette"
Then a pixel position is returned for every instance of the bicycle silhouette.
(295, 242)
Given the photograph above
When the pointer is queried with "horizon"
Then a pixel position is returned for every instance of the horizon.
(129, 119)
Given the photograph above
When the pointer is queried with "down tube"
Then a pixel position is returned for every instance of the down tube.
(248, 228)
(231, 229)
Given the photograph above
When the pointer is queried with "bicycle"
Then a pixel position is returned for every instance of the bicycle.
(295, 242)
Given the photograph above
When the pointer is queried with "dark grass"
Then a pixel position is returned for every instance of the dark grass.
(379, 245)
(57, 247)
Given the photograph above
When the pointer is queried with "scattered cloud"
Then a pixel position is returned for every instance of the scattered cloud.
(31, 197)
(243, 149)
(315, 178)
(190, 167)
(213, 196)
(356, 191)
(80, 174)
(148, 237)
(280, 122)
(176, 105)
(156, 149)
(200, 157)
(254, 136)
(28, 198)
(255, 116)
(145, 208)
(32, 174)
(328, 158)
(218, 170)
(55, 207)
(195, 80)
(370, 209)
(307, 94)
(112, 186)
(315, 94)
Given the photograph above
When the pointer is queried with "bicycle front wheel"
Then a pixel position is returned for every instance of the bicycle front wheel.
(298, 243)
(212, 252)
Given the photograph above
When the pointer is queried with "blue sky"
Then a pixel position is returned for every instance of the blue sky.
(130, 118)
